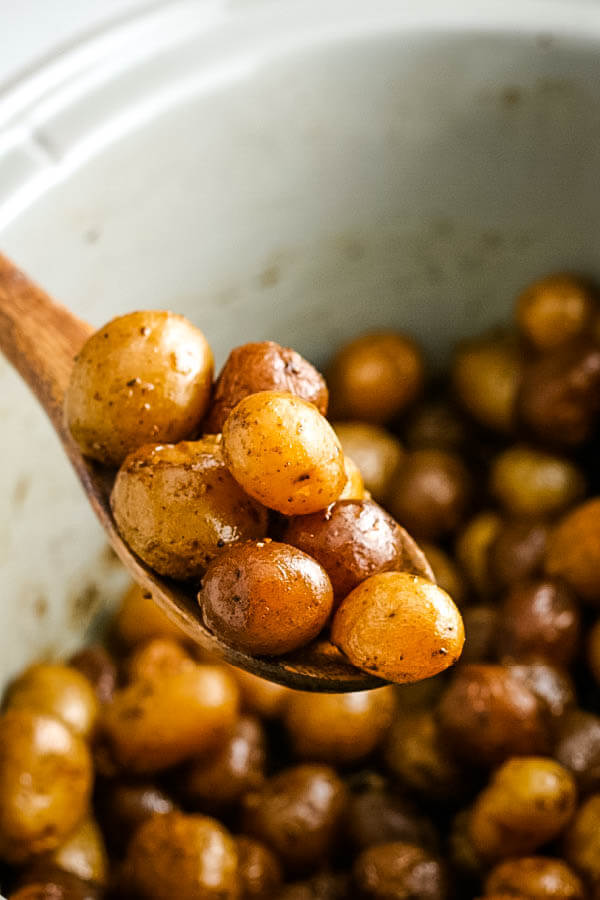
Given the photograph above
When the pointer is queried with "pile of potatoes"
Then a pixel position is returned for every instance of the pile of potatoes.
(242, 489)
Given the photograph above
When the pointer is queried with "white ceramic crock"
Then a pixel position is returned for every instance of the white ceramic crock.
(295, 170)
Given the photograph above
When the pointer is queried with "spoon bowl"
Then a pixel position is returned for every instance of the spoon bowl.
(40, 338)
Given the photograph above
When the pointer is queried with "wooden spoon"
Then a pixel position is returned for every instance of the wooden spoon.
(40, 338)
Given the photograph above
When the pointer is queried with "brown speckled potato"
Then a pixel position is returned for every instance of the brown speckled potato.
(144, 378)
(430, 493)
(263, 366)
(398, 871)
(188, 857)
(176, 505)
(528, 802)
(258, 868)
(573, 551)
(154, 723)
(338, 728)
(540, 619)
(353, 539)
(488, 714)
(298, 814)
(216, 780)
(375, 377)
(399, 626)
(265, 597)
(376, 452)
(555, 310)
(45, 783)
(140, 619)
(284, 453)
(537, 878)
(56, 690)
(530, 482)
(486, 374)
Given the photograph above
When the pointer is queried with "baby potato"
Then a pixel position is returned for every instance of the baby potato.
(298, 814)
(530, 482)
(473, 548)
(555, 310)
(528, 802)
(124, 805)
(258, 868)
(339, 728)
(377, 814)
(157, 658)
(376, 452)
(140, 619)
(486, 374)
(353, 539)
(45, 783)
(265, 597)
(430, 493)
(399, 626)
(517, 551)
(445, 571)
(260, 696)
(145, 377)
(578, 748)
(54, 884)
(96, 664)
(56, 690)
(217, 779)
(375, 377)
(536, 878)
(481, 633)
(573, 551)
(398, 871)
(540, 619)
(189, 857)
(154, 723)
(284, 453)
(263, 366)
(416, 753)
(176, 505)
(582, 840)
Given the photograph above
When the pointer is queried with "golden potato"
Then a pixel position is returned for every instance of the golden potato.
(144, 378)
(265, 597)
(284, 453)
(376, 452)
(375, 377)
(399, 626)
(48, 883)
(398, 871)
(260, 696)
(445, 571)
(140, 619)
(259, 870)
(537, 878)
(573, 551)
(187, 857)
(486, 374)
(528, 802)
(176, 505)
(56, 690)
(473, 548)
(154, 723)
(530, 482)
(45, 783)
(582, 840)
(161, 656)
(82, 853)
(555, 310)
(263, 366)
(338, 728)
(353, 539)
(354, 489)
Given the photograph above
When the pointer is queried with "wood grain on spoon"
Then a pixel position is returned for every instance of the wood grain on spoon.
(40, 338)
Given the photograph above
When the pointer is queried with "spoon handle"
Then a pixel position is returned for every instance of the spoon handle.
(39, 337)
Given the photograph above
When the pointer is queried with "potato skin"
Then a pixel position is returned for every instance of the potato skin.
(56, 690)
(154, 723)
(190, 857)
(573, 551)
(353, 539)
(535, 877)
(530, 482)
(259, 869)
(265, 597)
(45, 783)
(377, 454)
(176, 506)
(540, 620)
(298, 814)
(486, 374)
(582, 840)
(338, 728)
(375, 377)
(263, 366)
(284, 453)
(398, 871)
(399, 626)
(145, 377)
(82, 854)
(555, 310)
